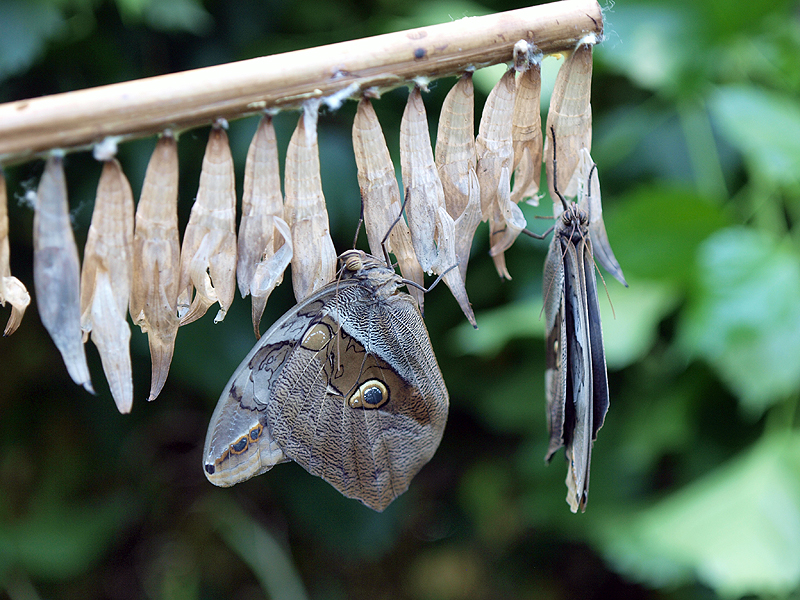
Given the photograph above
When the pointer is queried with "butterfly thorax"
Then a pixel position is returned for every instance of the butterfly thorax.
(574, 224)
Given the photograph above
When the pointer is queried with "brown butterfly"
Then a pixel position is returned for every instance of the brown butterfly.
(346, 384)
(576, 381)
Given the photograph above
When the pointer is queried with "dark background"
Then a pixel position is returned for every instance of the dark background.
(696, 473)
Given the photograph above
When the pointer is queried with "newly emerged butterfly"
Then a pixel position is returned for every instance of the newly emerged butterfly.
(576, 381)
(346, 384)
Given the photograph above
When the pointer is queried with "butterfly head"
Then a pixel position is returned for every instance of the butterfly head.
(354, 261)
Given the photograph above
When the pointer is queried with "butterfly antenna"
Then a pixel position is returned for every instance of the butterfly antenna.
(435, 281)
(592, 171)
(555, 167)
(392, 226)
(605, 287)
(360, 222)
(339, 276)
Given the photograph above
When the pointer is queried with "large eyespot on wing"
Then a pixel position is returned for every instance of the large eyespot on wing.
(373, 393)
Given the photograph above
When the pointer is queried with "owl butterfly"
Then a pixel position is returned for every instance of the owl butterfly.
(576, 381)
(345, 384)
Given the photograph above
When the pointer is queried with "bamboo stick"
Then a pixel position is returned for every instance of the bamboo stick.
(192, 98)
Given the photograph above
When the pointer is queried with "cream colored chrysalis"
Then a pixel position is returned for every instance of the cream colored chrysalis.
(456, 162)
(432, 227)
(380, 196)
(208, 253)
(56, 271)
(12, 289)
(570, 118)
(265, 242)
(314, 259)
(106, 280)
(156, 259)
(589, 200)
(495, 153)
(526, 125)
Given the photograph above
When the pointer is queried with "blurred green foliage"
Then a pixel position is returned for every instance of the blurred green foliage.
(696, 473)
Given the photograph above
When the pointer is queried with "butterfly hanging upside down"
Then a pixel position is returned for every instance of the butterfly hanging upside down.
(576, 380)
(346, 384)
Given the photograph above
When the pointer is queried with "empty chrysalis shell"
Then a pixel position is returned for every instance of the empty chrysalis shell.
(570, 118)
(265, 245)
(380, 196)
(56, 271)
(314, 258)
(455, 144)
(423, 188)
(12, 289)
(456, 162)
(495, 153)
(526, 134)
(208, 253)
(106, 280)
(156, 260)
(493, 144)
(432, 227)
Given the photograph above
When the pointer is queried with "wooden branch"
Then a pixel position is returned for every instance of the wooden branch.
(192, 98)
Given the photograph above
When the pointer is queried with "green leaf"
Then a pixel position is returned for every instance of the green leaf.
(745, 319)
(57, 541)
(655, 232)
(514, 402)
(497, 327)
(25, 29)
(764, 126)
(271, 564)
(179, 15)
(652, 45)
(639, 309)
(736, 529)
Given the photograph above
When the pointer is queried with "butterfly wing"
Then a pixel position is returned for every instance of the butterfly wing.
(580, 382)
(576, 382)
(600, 399)
(365, 408)
(239, 443)
(556, 349)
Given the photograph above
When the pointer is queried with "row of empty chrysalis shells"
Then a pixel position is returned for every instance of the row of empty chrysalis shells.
(136, 263)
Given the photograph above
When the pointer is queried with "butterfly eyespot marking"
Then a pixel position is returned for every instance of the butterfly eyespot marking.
(256, 432)
(370, 394)
(317, 337)
(240, 445)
